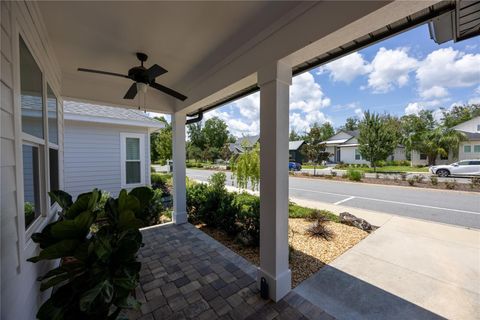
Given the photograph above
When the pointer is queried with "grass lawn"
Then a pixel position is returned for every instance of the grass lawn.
(393, 169)
(296, 211)
(311, 167)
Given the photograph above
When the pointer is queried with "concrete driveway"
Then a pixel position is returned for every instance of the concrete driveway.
(407, 269)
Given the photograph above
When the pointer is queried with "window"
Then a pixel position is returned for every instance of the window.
(133, 159)
(40, 148)
(52, 116)
(31, 95)
(478, 127)
(423, 156)
(476, 148)
(31, 183)
(475, 163)
(53, 165)
(358, 156)
(467, 149)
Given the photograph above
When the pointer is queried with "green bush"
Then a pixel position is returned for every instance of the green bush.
(354, 175)
(248, 215)
(381, 163)
(433, 180)
(162, 182)
(98, 247)
(411, 181)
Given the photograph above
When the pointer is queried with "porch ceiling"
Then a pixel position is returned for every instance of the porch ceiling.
(211, 49)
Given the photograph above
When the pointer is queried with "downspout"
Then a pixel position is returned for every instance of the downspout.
(195, 120)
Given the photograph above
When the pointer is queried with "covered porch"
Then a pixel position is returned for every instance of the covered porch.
(215, 52)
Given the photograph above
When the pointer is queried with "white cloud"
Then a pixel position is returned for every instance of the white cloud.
(347, 68)
(307, 95)
(390, 68)
(359, 113)
(447, 68)
(434, 92)
(477, 91)
(474, 100)
(413, 108)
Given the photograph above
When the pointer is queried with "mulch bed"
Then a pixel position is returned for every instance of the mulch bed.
(307, 254)
(399, 182)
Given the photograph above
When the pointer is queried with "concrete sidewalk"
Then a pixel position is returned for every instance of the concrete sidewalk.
(407, 269)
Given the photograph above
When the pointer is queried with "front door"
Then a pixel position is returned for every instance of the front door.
(337, 157)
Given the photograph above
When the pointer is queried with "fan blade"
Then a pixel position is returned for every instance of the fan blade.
(103, 72)
(155, 71)
(132, 91)
(168, 91)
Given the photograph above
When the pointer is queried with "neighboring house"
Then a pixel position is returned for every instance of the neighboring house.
(239, 146)
(468, 149)
(343, 147)
(295, 151)
(106, 148)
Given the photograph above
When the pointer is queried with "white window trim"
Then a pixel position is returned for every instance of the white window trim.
(123, 139)
(476, 145)
(467, 145)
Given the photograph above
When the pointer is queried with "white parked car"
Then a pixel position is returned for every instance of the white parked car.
(460, 168)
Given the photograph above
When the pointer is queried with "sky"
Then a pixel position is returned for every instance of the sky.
(401, 75)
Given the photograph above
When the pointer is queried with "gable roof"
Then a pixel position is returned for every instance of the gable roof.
(295, 145)
(471, 135)
(103, 114)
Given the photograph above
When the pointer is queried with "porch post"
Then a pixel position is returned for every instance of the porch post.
(179, 215)
(274, 81)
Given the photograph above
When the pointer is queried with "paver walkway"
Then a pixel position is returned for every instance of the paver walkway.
(188, 275)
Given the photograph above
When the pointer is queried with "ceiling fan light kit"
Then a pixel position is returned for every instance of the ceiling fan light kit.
(142, 78)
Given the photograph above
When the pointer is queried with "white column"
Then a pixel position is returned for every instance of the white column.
(274, 81)
(179, 215)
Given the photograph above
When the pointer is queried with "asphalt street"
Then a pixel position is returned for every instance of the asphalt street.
(445, 206)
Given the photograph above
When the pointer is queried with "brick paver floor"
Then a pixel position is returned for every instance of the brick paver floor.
(188, 275)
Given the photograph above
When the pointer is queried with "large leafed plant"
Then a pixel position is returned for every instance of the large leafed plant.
(97, 244)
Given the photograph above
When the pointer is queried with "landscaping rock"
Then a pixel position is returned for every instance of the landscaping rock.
(351, 220)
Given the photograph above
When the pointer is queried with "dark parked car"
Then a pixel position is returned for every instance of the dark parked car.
(294, 166)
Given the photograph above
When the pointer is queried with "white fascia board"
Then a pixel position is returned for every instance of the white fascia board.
(84, 118)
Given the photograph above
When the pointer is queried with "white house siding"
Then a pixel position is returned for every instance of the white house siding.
(416, 161)
(20, 292)
(469, 155)
(347, 155)
(92, 156)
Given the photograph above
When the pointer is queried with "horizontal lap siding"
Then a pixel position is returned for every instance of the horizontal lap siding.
(8, 194)
(20, 292)
(92, 156)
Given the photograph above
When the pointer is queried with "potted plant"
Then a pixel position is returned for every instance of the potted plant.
(97, 244)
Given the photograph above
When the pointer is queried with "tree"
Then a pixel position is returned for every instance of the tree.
(294, 136)
(161, 143)
(209, 138)
(424, 135)
(459, 114)
(246, 168)
(351, 124)
(376, 141)
(315, 149)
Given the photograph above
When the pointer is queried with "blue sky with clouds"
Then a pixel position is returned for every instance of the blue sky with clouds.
(400, 75)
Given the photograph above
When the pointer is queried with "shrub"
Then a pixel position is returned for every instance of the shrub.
(162, 182)
(419, 178)
(98, 248)
(248, 216)
(152, 169)
(381, 163)
(318, 229)
(217, 180)
(334, 173)
(451, 184)
(411, 181)
(403, 175)
(475, 182)
(354, 175)
(29, 212)
(433, 180)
